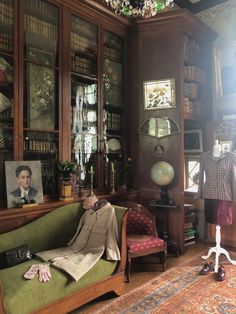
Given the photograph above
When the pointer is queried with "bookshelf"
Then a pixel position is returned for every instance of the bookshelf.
(190, 219)
(61, 92)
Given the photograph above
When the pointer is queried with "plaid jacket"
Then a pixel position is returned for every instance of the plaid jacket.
(217, 177)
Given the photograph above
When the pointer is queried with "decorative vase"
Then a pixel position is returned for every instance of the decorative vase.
(66, 187)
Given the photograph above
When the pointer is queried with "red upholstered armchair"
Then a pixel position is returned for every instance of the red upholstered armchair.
(142, 237)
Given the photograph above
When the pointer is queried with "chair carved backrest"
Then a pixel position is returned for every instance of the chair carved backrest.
(139, 220)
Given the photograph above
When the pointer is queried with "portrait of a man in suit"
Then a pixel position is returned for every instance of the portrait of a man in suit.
(23, 177)
(27, 186)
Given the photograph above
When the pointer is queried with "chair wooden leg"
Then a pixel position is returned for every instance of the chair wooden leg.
(127, 270)
(164, 259)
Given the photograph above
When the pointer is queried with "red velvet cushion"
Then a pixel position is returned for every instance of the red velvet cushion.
(139, 223)
(141, 243)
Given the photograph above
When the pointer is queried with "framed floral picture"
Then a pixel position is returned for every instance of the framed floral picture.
(41, 97)
(159, 94)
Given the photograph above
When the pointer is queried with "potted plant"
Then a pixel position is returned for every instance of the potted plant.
(66, 168)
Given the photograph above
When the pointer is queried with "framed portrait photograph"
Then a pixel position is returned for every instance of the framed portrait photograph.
(227, 146)
(159, 94)
(24, 183)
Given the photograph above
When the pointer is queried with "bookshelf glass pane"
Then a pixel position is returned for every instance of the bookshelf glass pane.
(113, 109)
(44, 147)
(41, 72)
(41, 45)
(84, 108)
(6, 91)
(6, 26)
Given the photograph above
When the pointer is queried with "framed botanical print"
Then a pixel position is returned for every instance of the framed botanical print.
(41, 97)
(159, 94)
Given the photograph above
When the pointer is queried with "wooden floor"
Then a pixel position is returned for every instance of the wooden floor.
(140, 277)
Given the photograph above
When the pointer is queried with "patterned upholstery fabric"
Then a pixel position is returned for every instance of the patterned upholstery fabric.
(141, 233)
(143, 243)
(139, 223)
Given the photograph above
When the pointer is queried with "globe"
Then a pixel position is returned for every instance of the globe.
(162, 173)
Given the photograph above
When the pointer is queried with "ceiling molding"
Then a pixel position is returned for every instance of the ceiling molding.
(199, 6)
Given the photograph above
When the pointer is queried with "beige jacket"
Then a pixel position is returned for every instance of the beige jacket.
(96, 233)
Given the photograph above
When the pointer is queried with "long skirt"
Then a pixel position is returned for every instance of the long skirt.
(218, 212)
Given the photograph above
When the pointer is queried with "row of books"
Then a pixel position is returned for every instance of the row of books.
(6, 42)
(112, 53)
(191, 106)
(84, 28)
(82, 44)
(40, 27)
(41, 7)
(40, 145)
(191, 47)
(189, 229)
(193, 73)
(83, 65)
(6, 16)
(190, 89)
(113, 121)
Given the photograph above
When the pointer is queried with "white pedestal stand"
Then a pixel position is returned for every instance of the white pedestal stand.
(218, 250)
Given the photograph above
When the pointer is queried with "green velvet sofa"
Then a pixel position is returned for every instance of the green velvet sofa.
(61, 294)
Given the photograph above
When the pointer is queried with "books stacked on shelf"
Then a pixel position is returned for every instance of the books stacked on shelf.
(189, 229)
(189, 233)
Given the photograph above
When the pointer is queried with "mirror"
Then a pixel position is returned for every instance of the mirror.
(159, 127)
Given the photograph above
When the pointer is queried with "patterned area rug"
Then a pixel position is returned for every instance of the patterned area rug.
(181, 290)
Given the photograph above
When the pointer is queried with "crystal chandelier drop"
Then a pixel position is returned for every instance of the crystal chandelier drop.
(145, 8)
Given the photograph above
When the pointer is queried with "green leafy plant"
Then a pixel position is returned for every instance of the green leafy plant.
(66, 167)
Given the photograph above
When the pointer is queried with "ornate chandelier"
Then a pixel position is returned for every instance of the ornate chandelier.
(145, 8)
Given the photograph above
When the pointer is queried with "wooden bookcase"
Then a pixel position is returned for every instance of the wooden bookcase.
(62, 90)
(171, 45)
(62, 97)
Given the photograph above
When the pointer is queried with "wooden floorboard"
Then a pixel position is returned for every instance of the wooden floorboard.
(138, 277)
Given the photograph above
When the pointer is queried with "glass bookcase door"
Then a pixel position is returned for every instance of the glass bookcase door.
(40, 116)
(113, 109)
(6, 89)
(84, 103)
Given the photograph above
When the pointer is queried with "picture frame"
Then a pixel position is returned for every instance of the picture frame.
(16, 172)
(159, 94)
(193, 141)
(227, 146)
(41, 56)
(41, 97)
(225, 69)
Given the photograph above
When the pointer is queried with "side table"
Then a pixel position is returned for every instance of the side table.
(172, 247)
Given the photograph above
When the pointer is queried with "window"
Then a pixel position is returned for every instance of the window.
(192, 167)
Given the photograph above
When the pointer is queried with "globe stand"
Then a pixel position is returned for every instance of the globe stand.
(164, 199)
(164, 195)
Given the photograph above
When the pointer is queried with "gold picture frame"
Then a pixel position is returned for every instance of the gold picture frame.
(159, 94)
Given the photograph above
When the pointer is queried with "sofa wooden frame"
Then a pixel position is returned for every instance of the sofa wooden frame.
(115, 283)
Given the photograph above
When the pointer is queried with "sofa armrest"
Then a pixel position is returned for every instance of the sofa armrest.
(123, 245)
